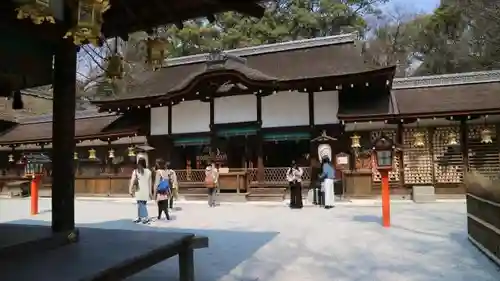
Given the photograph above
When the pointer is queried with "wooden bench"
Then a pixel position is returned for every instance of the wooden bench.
(105, 254)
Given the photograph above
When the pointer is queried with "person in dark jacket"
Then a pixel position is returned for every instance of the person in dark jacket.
(316, 181)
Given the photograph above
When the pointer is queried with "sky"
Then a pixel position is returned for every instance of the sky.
(426, 6)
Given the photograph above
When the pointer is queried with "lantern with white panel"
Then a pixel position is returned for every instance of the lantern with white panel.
(383, 152)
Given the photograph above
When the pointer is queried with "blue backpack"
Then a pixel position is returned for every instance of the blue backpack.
(163, 186)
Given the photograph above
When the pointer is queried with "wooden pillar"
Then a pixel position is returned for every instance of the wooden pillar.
(170, 144)
(212, 127)
(399, 141)
(464, 145)
(312, 145)
(260, 142)
(63, 136)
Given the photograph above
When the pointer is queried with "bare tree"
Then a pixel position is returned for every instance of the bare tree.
(92, 79)
(392, 40)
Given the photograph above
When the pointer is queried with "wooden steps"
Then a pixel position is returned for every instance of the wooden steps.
(273, 194)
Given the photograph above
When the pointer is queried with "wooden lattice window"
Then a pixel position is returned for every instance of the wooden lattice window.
(417, 159)
(448, 160)
(394, 174)
(483, 156)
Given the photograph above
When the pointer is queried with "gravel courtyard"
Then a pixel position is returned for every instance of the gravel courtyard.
(268, 242)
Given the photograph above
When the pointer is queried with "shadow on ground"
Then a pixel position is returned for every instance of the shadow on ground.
(227, 249)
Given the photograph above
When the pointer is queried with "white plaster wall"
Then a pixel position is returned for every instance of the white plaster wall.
(326, 106)
(159, 121)
(187, 117)
(285, 109)
(191, 117)
(235, 109)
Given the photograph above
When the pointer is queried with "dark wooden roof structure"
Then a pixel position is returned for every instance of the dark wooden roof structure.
(26, 51)
(438, 96)
(89, 125)
(318, 64)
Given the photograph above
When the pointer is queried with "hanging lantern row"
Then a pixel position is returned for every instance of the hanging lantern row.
(111, 153)
(89, 17)
(92, 154)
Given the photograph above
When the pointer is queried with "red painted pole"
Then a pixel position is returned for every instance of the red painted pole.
(386, 200)
(34, 194)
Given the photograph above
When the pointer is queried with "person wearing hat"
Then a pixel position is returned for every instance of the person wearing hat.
(327, 175)
(294, 177)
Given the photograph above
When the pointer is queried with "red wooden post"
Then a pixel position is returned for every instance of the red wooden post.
(35, 182)
(386, 200)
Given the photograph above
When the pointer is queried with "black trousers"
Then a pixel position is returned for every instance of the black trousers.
(296, 195)
(163, 207)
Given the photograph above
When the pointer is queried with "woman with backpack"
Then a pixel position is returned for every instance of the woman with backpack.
(164, 181)
(140, 189)
(211, 178)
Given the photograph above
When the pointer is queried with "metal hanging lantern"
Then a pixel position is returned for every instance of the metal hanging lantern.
(131, 151)
(111, 153)
(452, 139)
(11, 158)
(355, 141)
(92, 153)
(156, 52)
(418, 139)
(486, 136)
(75, 155)
(37, 10)
(88, 27)
(114, 69)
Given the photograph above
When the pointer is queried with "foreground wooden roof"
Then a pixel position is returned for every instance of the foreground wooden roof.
(294, 64)
(27, 49)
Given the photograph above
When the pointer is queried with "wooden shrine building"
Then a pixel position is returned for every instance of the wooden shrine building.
(254, 110)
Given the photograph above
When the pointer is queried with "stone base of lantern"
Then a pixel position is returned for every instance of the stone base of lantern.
(424, 194)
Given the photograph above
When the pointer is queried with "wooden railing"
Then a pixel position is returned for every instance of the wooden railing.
(117, 185)
(273, 175)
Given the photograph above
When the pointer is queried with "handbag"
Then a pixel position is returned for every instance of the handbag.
(135, 185)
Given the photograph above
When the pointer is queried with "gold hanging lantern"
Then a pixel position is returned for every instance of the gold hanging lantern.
(452, 139)
(88, 27)
(37, 10)
(355, 141)
(418, 139)
(156, 52)
(11, 158)
(111, 153)
(486, 136)
(114, 69)
(75, 155)
(92, 155)
(131, 151)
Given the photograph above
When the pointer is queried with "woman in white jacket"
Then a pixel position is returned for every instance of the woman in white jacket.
(140, 189)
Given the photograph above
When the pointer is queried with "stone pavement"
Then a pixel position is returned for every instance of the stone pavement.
(268, 242)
